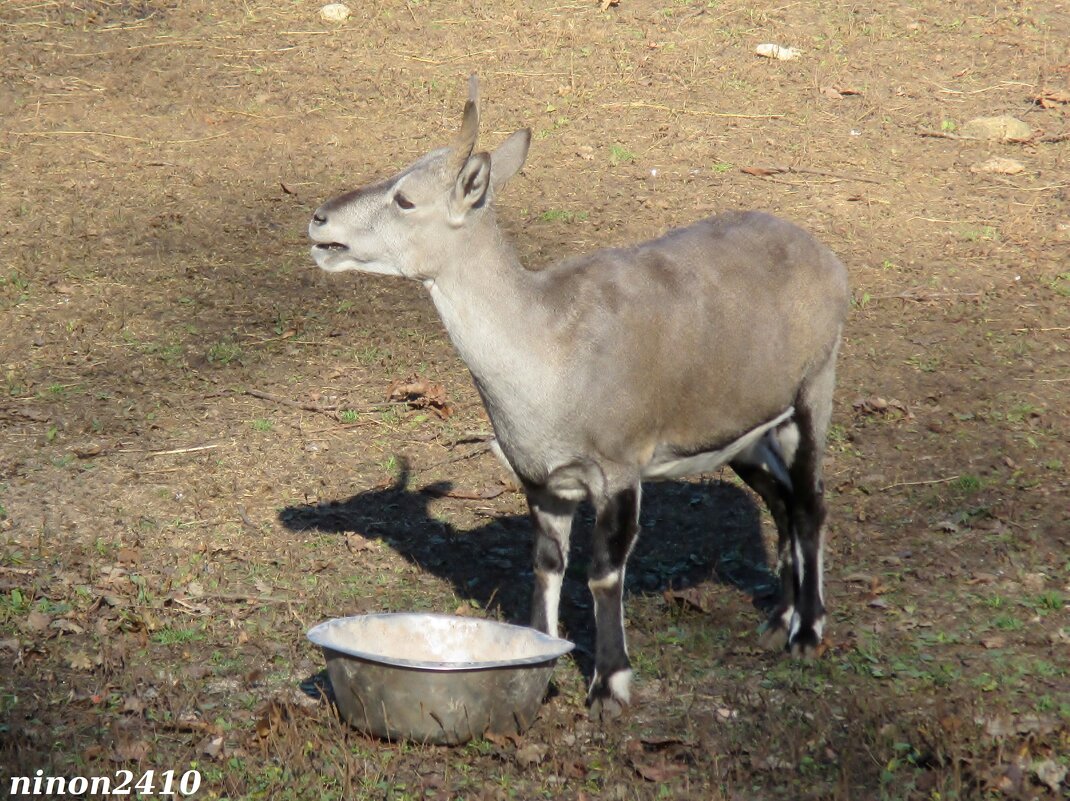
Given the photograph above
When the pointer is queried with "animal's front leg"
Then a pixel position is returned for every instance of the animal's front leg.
(552, 518)
(616, 528)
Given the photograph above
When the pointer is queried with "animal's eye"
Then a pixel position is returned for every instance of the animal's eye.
(403, 202)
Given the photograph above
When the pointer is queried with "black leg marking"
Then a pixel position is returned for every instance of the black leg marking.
(778, 497)
(616, 528)
(552, 519)
(808, 523)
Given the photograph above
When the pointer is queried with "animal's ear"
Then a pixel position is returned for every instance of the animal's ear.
(508, 158)
(470, 187)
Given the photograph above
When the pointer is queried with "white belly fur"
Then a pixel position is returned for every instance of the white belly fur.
(710, 460)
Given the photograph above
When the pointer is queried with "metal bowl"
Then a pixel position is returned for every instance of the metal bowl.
(436, 678)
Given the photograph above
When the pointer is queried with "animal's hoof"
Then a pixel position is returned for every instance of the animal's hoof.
(774, 634)
(609, 696)
(604, 710)
(806, 644)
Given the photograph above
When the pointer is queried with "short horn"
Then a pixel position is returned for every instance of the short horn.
(465, 141)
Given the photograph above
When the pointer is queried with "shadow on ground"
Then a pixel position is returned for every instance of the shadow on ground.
(692, 533)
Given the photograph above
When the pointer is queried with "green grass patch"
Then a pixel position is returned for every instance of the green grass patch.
(172, 636)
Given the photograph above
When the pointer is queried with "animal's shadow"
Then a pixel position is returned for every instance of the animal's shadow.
(692, 533)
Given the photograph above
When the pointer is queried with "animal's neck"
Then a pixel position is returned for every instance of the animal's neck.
(497, 318)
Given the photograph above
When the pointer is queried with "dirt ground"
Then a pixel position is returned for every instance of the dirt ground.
(201, 457)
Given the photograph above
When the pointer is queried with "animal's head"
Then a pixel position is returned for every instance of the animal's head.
(407, 225)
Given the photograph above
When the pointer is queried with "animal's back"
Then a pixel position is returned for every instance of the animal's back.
(694, 325)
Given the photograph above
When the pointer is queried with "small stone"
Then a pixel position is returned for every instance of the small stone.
(1003, 128)
(779, 52)
(335, 12)
(999, 166)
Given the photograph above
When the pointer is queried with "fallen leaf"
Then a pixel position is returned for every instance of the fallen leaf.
(79, 660)
(67, 626)
(272, 716)
(1052, 98)
(690, 598)
(1034, 582)
(1004, 725)
(576, 769)
(1049, 773)
(89, 450)
(419, 393)
(658, 759)
(131, 751)
(211, 746)
(761, 171)
(502, 740)
(37, 621)
(994, 641)
(134, 705)
(531, 754)
(196, 671)
(358, 542)
(837, 92)
(878, 405)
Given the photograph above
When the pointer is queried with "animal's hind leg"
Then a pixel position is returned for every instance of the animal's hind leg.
(552, 518)
(615, 530)
(764, 470)
(813, 410)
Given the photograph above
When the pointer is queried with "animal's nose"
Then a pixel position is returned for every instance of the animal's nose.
(319, 218)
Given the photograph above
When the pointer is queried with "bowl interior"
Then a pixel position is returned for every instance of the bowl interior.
(437, 642)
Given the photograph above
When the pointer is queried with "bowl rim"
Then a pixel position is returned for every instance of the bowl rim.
(555, 647)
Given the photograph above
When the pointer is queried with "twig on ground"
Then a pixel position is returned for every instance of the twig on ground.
(308, 407)
(920, 296)
(171, 451)
(459, 457)
(332, 411)
(779, 169)
(919, 483)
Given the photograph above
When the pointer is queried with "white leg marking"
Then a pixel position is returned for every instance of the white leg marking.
(620, 684)
(795, 623)
(799, 566)
(788, 440)
(819, 628)
(551, 597)
(821, 570)
(607, 582)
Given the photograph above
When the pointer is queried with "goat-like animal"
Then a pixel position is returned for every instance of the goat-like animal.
(715, 344)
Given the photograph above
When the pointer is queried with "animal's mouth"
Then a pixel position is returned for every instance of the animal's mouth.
(330, 247)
